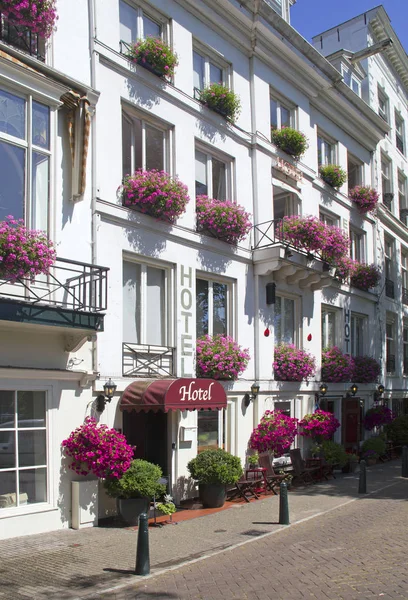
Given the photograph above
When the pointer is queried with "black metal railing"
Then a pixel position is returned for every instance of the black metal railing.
(387, 199)
(405, 296)
(69, 284)
(389, 288)
(22, 38)
(390, 363)
(145, 360)
(268, 234)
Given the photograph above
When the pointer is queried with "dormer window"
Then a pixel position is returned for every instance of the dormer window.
(351, 79)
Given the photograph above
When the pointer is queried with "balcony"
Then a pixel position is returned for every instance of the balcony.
(390, 363)
(145, 360)
(288, 264)
(22, 38)
(72, 298)
(389, 288)
(387, 199)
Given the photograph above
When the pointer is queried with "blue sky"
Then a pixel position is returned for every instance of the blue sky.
(311, 17)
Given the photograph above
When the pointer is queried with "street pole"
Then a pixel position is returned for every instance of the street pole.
(404, 462)
(283, 504)
(142, 552)
(362, 482)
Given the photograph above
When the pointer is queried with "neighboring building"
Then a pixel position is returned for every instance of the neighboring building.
(373, 48)
(168, 284)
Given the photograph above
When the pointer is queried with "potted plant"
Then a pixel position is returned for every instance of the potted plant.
(23, 253)
(167, 507)
(39, 16)
(292, 364)
(214, 470)
(155, 193)
(366, 369)
(320, 425)
(274, 434)
(223, 219)
(220, 357)
(351, 464)
(372, 449)
(377, 416)
(333, 175)
(334, 453)
(222, 100)
(365, 198)
(155, 55)
(290, 140)
(364, 277)
(135, 489)
(371, 457)
(252, 460)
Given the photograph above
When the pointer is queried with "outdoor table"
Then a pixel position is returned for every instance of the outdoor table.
(260, 472)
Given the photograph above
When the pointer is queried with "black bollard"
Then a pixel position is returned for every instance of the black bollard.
(142, 552)
(404, 462)
(362, 482)
(283, 504)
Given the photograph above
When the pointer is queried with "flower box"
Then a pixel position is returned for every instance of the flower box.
(292, 364)
(39, 16)
(220, 357)
(290, 140)
(365, 369)
(155, 55)
(222, 219)
(333, 175)
(336, 366)
(364, 277)
(222, 100)
(365, 198)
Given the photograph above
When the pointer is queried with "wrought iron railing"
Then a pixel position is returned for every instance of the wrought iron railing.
(389, 288)
(390, 363)
(145, 360)
(268, 234)
(69, 284)
(22, 38)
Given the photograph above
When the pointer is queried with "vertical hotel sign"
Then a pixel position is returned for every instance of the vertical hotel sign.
(186, 301)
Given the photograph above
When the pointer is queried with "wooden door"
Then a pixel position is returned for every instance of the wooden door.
(351, 423)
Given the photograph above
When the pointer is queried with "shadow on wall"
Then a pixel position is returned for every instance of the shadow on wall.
(148, 245)
(143, 95)
(216, 263)
(66, 168)
(212, 132)
(185, 488)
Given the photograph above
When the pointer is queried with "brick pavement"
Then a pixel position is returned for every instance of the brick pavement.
(77, 564)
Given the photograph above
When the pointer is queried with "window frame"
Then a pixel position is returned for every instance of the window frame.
(229, 309)
(386, 174)
(404, 267)
(390, 342)
(296, 319)
(402, 190)
(211, 57)
(358, 245)
(329, 218)
(291, 200)
(358, 320)
(282, 103)
(211, 154)
(141, 9)
(405, 347)
(359, 166)
(389, 257)
(221, 418)
(326, 311)
(382, 98)
(399, 135)
(323, 143)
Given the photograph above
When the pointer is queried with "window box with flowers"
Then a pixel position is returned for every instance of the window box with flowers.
(275, 433)
(290, 140)
(365, 198)
(222, 219)
(336, 366)
(222, 100)
(365, 369)
(333, 175)
(292, 364)
(320, 426)
(377, 416)
(23, 253)
(155, 55)
(39, 16)
(220, 357)
(364, 277)
(155, 193)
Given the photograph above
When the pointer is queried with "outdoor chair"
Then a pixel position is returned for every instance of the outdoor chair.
(271, 478)
(326, 470)
(301, 472)
(245, 488)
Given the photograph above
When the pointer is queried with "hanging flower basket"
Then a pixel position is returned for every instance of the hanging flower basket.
(333, 175)
(377, 416)
(304, 233)
(336, 245)
(290, 140)
(365, 198)
(156, 194)
(336, 366)
(292, 364)
(155, 55)
(365, 369)
(38, 16)
(222, 219)
(364, 276)
(98, 450)
(23, 253)
(319, 425)
(275, 433)
(220, 357)
(222, 100)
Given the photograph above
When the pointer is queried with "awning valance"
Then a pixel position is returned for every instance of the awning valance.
(173, 394)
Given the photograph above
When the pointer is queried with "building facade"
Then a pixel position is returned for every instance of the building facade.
(136, 292)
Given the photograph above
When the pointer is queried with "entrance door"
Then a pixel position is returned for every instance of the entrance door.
(351, 423)
(148, 432)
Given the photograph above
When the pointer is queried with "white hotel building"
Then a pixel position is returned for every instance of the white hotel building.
(132, 293)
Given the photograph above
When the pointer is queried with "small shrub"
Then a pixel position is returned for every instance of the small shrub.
(333, 175)
(290, 140)
(139, 481)
(397, 430)
(215, 466)
(336, 366)
(334, 453)
(374, 445)
(156, 54)
(223, 219)
(292, 364)
(222, 100)
(366, 198)
(220, 357)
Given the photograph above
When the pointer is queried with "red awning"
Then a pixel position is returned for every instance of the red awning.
(173, 394)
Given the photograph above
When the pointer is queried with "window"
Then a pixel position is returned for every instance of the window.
(329, 219)
(390, 343)
(210, 428)
(145, 145)
(208, 70)
(213, 306)
(357, 327)
(354, 172)
(383, 105)
(386, 174)
(402, 197)
(405, 346)
(136, 24)
(357, 244)
(22, 38)
(23, 448)
(282, 114)
(213, 176)
(329, 327)
(389, 267)
(284, 321)
(351, 80)
(24, 159)
(399, 132)
(326, 151)
(146, 300)
(284, 204)
(404, 275)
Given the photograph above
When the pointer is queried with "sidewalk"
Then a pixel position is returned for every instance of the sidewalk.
(72, 564)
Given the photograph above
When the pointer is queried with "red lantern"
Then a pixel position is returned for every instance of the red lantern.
(309, 337)
(267, 332)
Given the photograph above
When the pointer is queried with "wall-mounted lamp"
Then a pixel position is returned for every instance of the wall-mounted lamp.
(353, 389)
(109, 390)
(379, 392)
(270, 293)
(322, 391)
(252, 395)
